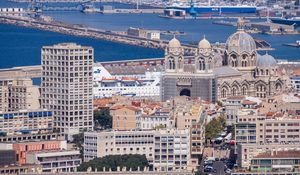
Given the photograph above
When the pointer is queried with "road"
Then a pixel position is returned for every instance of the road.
(219, 167)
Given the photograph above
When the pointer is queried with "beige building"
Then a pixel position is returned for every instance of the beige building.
(186, 112)
(18, 94)
(166, 150)
(67, 86)
(256, 134)
(125, 117)
(252, 128)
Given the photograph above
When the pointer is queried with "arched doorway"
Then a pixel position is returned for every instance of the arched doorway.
(185, 92)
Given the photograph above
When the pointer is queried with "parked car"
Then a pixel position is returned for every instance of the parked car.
(228, 171)
(209, 169)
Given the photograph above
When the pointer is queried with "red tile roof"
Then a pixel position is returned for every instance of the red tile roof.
(279, 154)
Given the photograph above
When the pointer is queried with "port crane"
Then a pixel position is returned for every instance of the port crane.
(192, 10)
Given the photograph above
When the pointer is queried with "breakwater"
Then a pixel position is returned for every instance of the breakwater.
(83, 31)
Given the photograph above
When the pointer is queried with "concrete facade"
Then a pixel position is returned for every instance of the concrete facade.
(67, 86)
(166, 150)
(18, 94)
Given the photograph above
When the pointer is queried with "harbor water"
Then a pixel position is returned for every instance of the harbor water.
(21, 46)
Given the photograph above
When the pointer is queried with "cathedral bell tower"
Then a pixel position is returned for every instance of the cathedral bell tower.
(174, 59)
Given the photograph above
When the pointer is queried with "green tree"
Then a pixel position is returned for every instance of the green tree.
(103, 119)
(161, 126)
(78, 140)
(132, 161)
(215, 126)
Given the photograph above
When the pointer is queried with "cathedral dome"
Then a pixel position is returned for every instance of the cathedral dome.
(204, 44)
(174, 43)
(266, 61)
(240, 42)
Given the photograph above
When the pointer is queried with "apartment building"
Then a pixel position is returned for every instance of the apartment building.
(246, 126)
(159, 118)
(26, 122)
(166, 150)
(252, 128)
(55, 161)
(125, 117)
(18, 94)
(67, 86)
(186, 111)
(232, 105)
(235, 103)
(172, 150)
(295, 80)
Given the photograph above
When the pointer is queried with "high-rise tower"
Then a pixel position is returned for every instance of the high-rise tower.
(66, 86)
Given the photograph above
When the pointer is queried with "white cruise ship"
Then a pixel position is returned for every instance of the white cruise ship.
(127, 83)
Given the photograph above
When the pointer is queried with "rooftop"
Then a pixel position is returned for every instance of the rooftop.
(280, 154)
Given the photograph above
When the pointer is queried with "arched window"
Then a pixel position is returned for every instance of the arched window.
(173, 64)
(278, 87)
(234, 92)
(224, 93)
(179, 63)
(244, 61)
(201, 64)
(234, 61)
(267, 72)
(261, 91)
(244, 90)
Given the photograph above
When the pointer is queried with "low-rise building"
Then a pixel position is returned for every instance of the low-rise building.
(17, 169)
(100, 144)
(31, 136)
(247, 152)
(55, 161)
(276, 161)
(24, 147)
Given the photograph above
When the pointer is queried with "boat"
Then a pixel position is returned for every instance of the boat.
(287, 21)
(215, 9)
(297, 44)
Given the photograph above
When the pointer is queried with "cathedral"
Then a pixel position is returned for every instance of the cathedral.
(210, 75)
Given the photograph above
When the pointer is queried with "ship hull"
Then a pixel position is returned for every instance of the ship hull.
(217, 10)
(286, 21)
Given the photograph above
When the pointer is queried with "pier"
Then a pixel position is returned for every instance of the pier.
(79, 30)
